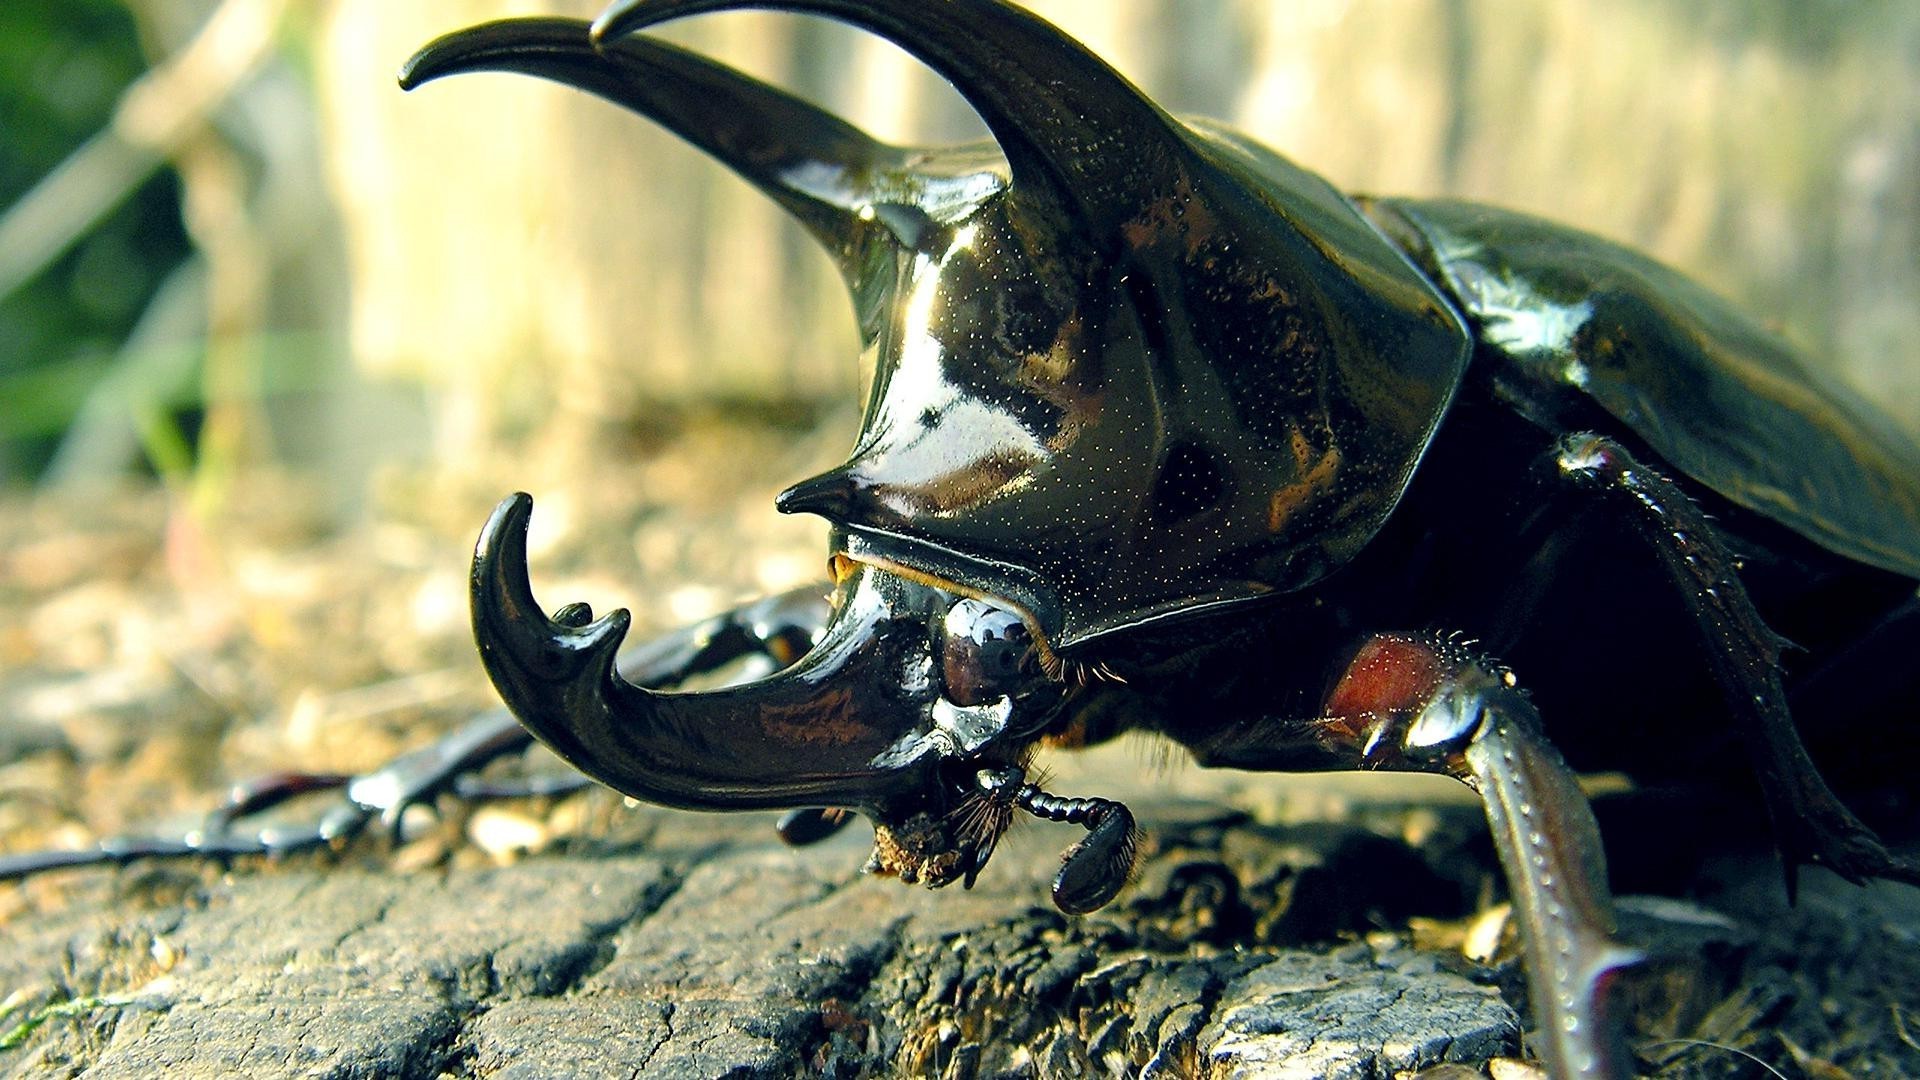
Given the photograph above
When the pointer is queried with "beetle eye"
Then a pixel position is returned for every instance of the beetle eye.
(985, 652)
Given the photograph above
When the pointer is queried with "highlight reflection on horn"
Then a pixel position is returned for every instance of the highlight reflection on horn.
(835, 729)
(1080, 139)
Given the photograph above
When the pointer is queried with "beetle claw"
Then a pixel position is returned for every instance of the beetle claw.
(1840, 842)
(812, 824)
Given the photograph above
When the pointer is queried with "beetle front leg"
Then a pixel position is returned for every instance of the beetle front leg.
(1810, 822)
(1431, 705)
(780, 628)
(1549, 846)
(1426, 703)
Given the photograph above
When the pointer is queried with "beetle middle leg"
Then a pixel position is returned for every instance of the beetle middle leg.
(779, 628)
(1810, 822)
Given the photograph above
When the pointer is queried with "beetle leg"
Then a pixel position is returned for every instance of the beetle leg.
(1810, 822)
(780, 628)
(1426, 703)
(1549, 846)
(250, 797)
(811, 824)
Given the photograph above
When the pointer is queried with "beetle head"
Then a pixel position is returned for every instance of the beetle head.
(908, 693)
(1125, 367)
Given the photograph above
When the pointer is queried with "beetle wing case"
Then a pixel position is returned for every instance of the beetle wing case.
(1711, 390)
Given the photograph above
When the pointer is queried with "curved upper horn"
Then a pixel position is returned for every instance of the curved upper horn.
(817, 166)
(1075, 132)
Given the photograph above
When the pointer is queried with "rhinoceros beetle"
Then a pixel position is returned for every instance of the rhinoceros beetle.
(1165, 434)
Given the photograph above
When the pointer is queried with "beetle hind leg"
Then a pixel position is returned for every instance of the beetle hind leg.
(1811, 824)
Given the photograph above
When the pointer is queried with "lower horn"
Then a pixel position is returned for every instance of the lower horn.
(834, 729)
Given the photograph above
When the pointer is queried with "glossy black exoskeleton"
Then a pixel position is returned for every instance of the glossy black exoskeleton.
(1165, 434)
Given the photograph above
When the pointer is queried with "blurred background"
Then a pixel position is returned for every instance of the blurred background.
(228, 243)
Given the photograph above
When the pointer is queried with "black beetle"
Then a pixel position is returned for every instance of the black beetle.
(1165, 434)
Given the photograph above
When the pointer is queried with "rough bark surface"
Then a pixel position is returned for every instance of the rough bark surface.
(672, 945)
(690, 946)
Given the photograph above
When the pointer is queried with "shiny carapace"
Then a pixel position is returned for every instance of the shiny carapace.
(1168, 435)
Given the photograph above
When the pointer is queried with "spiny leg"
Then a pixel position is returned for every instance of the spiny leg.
(1549, 847)
(780, 628)
(1427, 703)
(1810, 822)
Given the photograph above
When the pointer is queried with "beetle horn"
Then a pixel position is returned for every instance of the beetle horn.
(1074, 131)
(806, 736)
(813, 163)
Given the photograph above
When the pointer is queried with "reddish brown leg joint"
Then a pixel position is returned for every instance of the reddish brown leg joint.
(1430, 704)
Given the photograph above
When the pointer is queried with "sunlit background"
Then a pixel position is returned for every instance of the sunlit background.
(229, 241)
